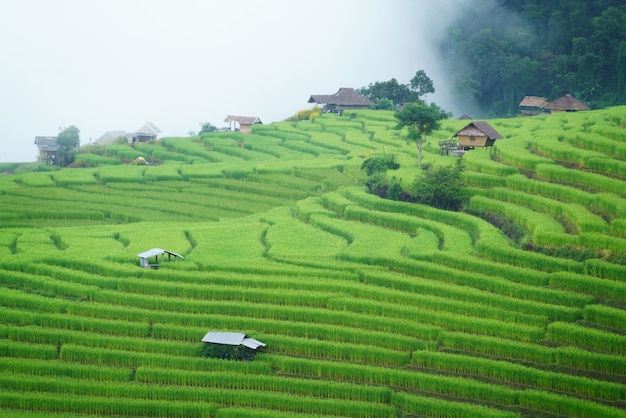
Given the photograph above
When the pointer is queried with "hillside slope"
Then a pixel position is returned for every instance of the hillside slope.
(368, 307)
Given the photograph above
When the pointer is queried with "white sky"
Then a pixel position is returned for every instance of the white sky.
(106, 65)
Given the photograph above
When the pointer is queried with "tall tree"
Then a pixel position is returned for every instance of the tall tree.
(420, 120)
(421, 84)
(67, 140)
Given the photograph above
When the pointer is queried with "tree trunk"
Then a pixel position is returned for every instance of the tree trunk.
(419, 153)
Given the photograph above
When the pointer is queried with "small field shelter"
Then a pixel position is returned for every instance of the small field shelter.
(144, 257)
(345, 98)
(242, 124)
(477, 134)
(231, 338)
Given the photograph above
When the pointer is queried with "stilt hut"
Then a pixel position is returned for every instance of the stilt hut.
(242, 124)
(48, 149)
(533, 105)
(345, 98)
(477, 134)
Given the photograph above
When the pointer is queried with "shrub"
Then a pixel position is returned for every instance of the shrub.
(306, 114)
(378, 164)
(441, 188)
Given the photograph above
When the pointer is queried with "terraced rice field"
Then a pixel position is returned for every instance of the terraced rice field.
(368, 307)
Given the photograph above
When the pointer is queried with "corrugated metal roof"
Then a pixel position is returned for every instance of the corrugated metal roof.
(232, 338)
(252, 343)
(149, 128)
(157, 251)
(47, 143)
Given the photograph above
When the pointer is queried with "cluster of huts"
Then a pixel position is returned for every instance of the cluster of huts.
(475, 134)
(481, 134)
(535, 105)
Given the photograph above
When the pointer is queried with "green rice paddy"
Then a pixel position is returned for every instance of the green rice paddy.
(368, 307)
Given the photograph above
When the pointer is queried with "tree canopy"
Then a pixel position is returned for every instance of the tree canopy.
(538, 48)
(441, 187)
(421, 120)
(67, 140)
(207, 127)
(381, 92)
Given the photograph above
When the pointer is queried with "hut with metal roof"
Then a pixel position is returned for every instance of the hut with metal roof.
(48, 149)
(230, 345)
(242, 124)
(533, 105)
(147, 133)
(345, 98)
(232, 338)
(567, 103)
(144, 257)
(477, 134)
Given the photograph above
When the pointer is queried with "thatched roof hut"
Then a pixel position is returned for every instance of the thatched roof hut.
(533, 105)
(567, 103)
(242, 124)
(477, 134)
(345, 98)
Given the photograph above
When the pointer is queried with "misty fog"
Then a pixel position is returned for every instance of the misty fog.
(114, 65)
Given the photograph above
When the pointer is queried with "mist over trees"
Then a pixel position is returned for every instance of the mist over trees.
(540, 48)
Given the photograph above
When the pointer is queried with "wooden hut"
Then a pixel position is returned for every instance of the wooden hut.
(242, 124)
(147, 133)
(144, 257)
(533, 105)
(345, 98)
(477, 134)
(48, 149)
(567, 103)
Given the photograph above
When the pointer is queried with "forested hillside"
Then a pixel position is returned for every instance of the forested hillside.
(498, 52)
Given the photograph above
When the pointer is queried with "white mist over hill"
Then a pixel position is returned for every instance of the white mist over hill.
(108, 65)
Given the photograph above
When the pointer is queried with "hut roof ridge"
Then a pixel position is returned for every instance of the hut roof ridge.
(345, 96)
(567, 102)
(232, 338)
(242, 120)
(482, 127)
(534, 101)
(47, 143)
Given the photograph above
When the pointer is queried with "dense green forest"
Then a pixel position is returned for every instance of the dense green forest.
(498, 52)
